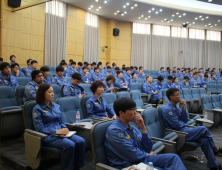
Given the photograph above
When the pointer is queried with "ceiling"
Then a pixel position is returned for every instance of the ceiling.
(142, 9)
(219, 2)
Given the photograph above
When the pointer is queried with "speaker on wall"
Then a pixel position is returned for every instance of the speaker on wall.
(115, 32)
(14, 3)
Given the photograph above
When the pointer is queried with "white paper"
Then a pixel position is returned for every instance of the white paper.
(205, 120)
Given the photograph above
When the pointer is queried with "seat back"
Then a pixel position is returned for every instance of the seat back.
(154, 80)
(136, 96)
(219, 82)
(215, 101)
(181, 94)
(187, 94)
(23, 70)
(140, 81)
(105, 75)
(27, 114)
(98, 133)
(22, 81)
(135, 86)
(202, 91)
(151, 121)
(69, 107)
(219, 87)
(195, 93)
(164, 96)
(160, 110)
(211, 87)
(50, 75)
(212, 82)
(57, 92)
(123, 94)
(180, 79)
(146, 72)
(87, 88)
(69, 79)
(165, 76)
(220, 98)
(19, 95)
(110, 98)
(7, 97)
(206, 102)
(83, 104)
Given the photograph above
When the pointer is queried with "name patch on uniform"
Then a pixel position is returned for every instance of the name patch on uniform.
(88, 105)
(58, 80)
(34, 114)
(28, 86)
(73, 89)
(107, 87)
(107, 136)
(96, 103)
(177, 117)
(170, 113)
(120, 135)
(128, 137)
(66, 89)
(45, 111)
(5, 80)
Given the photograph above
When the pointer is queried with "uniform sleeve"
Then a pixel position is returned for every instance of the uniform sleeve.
(123, 147)
(183, 115)
(118, 84)
(22, 74)
(61, 122)
(82, 90)
(54, 81)
(30, 92)
(90, 110)
(66, 91)
(94, 77)
(109, 110)
(101, 78)
(14, 83)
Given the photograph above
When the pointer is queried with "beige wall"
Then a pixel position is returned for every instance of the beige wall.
(23, 33)
(103, 40)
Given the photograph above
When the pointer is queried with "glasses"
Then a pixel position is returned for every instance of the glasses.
(132, 110)
(178, 95)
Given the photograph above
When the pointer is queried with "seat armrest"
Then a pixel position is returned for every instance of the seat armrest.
(100, 166)
(184, 133)
(193, 114)
(34, 133)
(95, 120)
(163, 140)
(190, 126)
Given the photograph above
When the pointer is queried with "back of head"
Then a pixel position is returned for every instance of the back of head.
(170, 77)
(34, 61)
(160, 78)
(123, 104)
(60, 68)
(77, 76)
(44, 68)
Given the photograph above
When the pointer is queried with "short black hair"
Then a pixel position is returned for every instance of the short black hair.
(77, 76)
(96, 68)
(140, 67)
(117, 68)
(95, 85)
(3, 65)
(194, 74)
(131, 67)
(186, 78)
(13, 65)
(147, 77)
(35, 73)
(59, 68)
(118, 72)
(85, 62)
(136, 68)
(80, 63)
(12, 56)
(175, 78)
(183, 70)
(161, 68)
(178, 68)
(174, 71)
(100, 63)
(133, 74)
(84, 67)
(205, 75)
(123, 104)
(108, 67)
(34, 61)
(113, 64)
(170, 77)
(107, 63)
(1, 59)
(127, 69)
(63, 63)
(28, 61)
(123, 68)
(160, 78)
(73, 62)
(44, 69)
(171, 91)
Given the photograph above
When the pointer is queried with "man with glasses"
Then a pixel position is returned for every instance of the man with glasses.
(125, 145)
(176, 118)
(32, 87)
(15, 70)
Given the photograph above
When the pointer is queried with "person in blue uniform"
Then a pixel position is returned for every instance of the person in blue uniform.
(86, 77)
(124, 70)
(174, 74)
(13, 61)
(64, 66)
(176, 83)
(178, 72)
(183, 74)
(113, 69)
(158, 86)
(34, 66)
(133, 79)
(96, 75)
(220, 77)
(6, 79)
(127, 75)
(78, 69)
(59, 79)
(125, 145)
(15, 70)
(140, 75)
(47, 119)
(110, 79)
(185, 83)
(62, 61)
(101, 69)
(135, 70)
(74, 88)
(131, 69)
(195, 81)
(218, 73)
(108, 70)
(213, 77)
(121, 82)
(150, 89)
(1, 60)
(176, 118)
(70, 62)
(205, 81)
(45, 70)
(168, 84)
(28, 64)
(32, 87)
(161, 71)
(107, 65)
(70, 70)
(96, 106)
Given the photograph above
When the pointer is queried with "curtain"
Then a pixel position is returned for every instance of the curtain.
(55, 32)
(141, 45)
(91, 43)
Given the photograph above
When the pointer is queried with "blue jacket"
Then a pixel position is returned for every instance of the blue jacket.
(149, 89)
(126, 146)
(204, 82)
(58, 81)
(107, 86)
(158, 87)
(195, 82)
(126, 76)
(78, 70)
(12, 63)
(30, 91)
(113, 71)
(70, 72)
(97, 77)
(160, 73)
(176, 85)
(141, 76)
(71, 90)
(183, 85)
(108, 72)
(219, 79)
(11, 81)
(121, 82)
(167, 85)
(28, 72)
(133, 81)
(47, 80)
(98, 109)
(86, 78)
(21, 74)
(182, 75)
(91, 71)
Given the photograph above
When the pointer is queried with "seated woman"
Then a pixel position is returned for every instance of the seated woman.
(47, 118)
(133, 79)
(110, 79)
(96, 106)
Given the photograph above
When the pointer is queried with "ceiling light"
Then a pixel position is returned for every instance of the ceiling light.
(193, 22)
(207, 17)
(132, 7)
(124, 6)
(209, 0)
(187, 22)
(165, 19)
(149, 16)
(125, 12)
(205, 25)
(105, 2)
(97, 0)
(160, 10)
(145, 18)
(99, 7)
(215, 25)
(156, 12)
(218, 20)
(162, 21)
(171, 20)
(149, 11)
(184, 14)
(153, 9)
(179, 16)
(202, 19)
(196, 18)
(91, 6)
(184, 23)
(168, 21)
(141, 15)
(173, 15)
(135, 5)
(115, 13)
(127, 3)
(122, 14)
(200, 16)
(211, 26)
(177, 13)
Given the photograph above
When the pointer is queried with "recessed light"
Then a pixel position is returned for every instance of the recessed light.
(153, 9)
(125, 12)
(105, 2)
(115, 13)
(162, 21)
(132, 7)
(156, 12)
(218, 20)
(149, 16)
(193, 22)
(209, 0)
(99, 7)
(200, 16)
(177, 13)
(91, 6)
(196, 18)
(124, 6)
(207, 17)
(202, 19)
(165, 19)
(184, 23)
(211, 26)
(97, 0)
(179, 16)
(171, 20)
(135, 5)
(168, 21)
(205, 25)
(161, 10)
(184, 14)
(173, 15)
(139, 17)
(215, 25)
(187, 22)
(127, 3)
(149, 11)
(145, 18)
(122, 14)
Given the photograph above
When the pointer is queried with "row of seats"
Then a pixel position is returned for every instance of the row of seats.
(214, 88)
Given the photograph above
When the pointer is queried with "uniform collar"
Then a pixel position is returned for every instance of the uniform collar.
(94, 98)
(34, 83)
(4, 76)
(70, 84)
(59, 77)
(122, 125)
(172, 106)
(44, 106)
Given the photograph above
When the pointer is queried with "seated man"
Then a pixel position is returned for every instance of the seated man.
(220, 77)
(195, 81)
(158, 86)
(13, 60)
(161, 71)
(59, 79)
(125, 145)
(174, 74)
(45, 70)
(168, 84)
(204, 81)
(140, 75)
(127, 74)
(73, 88)
(121, 82)
(86, 77)
(70, 62)
(185, 83)
(64, 65)
(176, 83)
(96, 106)
(183, 74)
(108, 71)
(78, 69)
(150, 89)
(6, 79)
(175, 118)
(133, 79)
(15, 70)
(101, 68)
(34, 66)
(71, 69)
(32, 87)
(135, 70)
(96, 75)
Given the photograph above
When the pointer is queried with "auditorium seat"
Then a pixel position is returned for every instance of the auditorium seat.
(136, 96)
(202, 91)
(50, 75)
(146, 72)
(140, 81)
(220, 98)
(87, 88)
(213, 82)
(69, 79)
(212, 89)
(52, 70)
(137, 86)
(164, 96)
(219, 88)
(180, 79)
(105, 75)
(192, 104)
(22, 81)
(165, 76)
(35, 152)
(215, 101)
(123, 94)
(110, 98)
(57, 92)
(219, 82)
(19, 95)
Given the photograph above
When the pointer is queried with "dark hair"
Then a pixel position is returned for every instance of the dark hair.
(178, 68)
(117, 68)
(77, 76)
(34, 61)
(174, 67)
(194, 74)
(148, 77)
(28, 61)
(131, 67)
(59, 68)
(107, 63)
(85, 62)
(44, 68)
(12, 56)
(183, 70)
(170, 92)
(161, 68)
(205, 75)
(3, 65)
(110, 77)
(84, 67)
(174, 71)
(73, 62)
(123, 68)
(108, 67)
(123, 104)
(13, 65)
(35, 73)
(100, 63)
(136, 68)
(133, 74)
(140, 67)
(170, 77)
(96, 68)
(118, 72)
(80, 63)
(1, 59)
(186, 78)
(40, 95)
(174, 78)
(127, 69)
(113, 64)
(95, 85)
(63, 63)
(160, 78)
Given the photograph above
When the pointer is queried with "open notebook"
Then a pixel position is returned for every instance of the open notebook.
(68, 135)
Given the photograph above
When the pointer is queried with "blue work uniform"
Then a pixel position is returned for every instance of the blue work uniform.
(21, 74)
(160, 73)
(102, 71)
(141, 76)
(187, 74)
(58, 81)
(86, 78)
(158, 87)
(183, 85)
(147, 88)
(182, 75)
(133, 81)
(98, 108)
(167, 85)
(48, 120)
(195, 82)
(204, 82)
(71, 90)
(68, 66)
(91, 71)
(30, 91)
(120, 82)
(11, 81)
(13, 63)
(78, 70)
(28, 73)
(108, 72)
(127, 76)
(174, 75)
(70, 71)
(97, 77)
(213, 79)
(177, 74)
(113, 71)
(107, 86)
(219, 79)
(126, 146)
(176, 119)
(47, 80)
(176, 85)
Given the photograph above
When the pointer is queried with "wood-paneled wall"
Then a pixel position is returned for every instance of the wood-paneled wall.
(23, 33)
